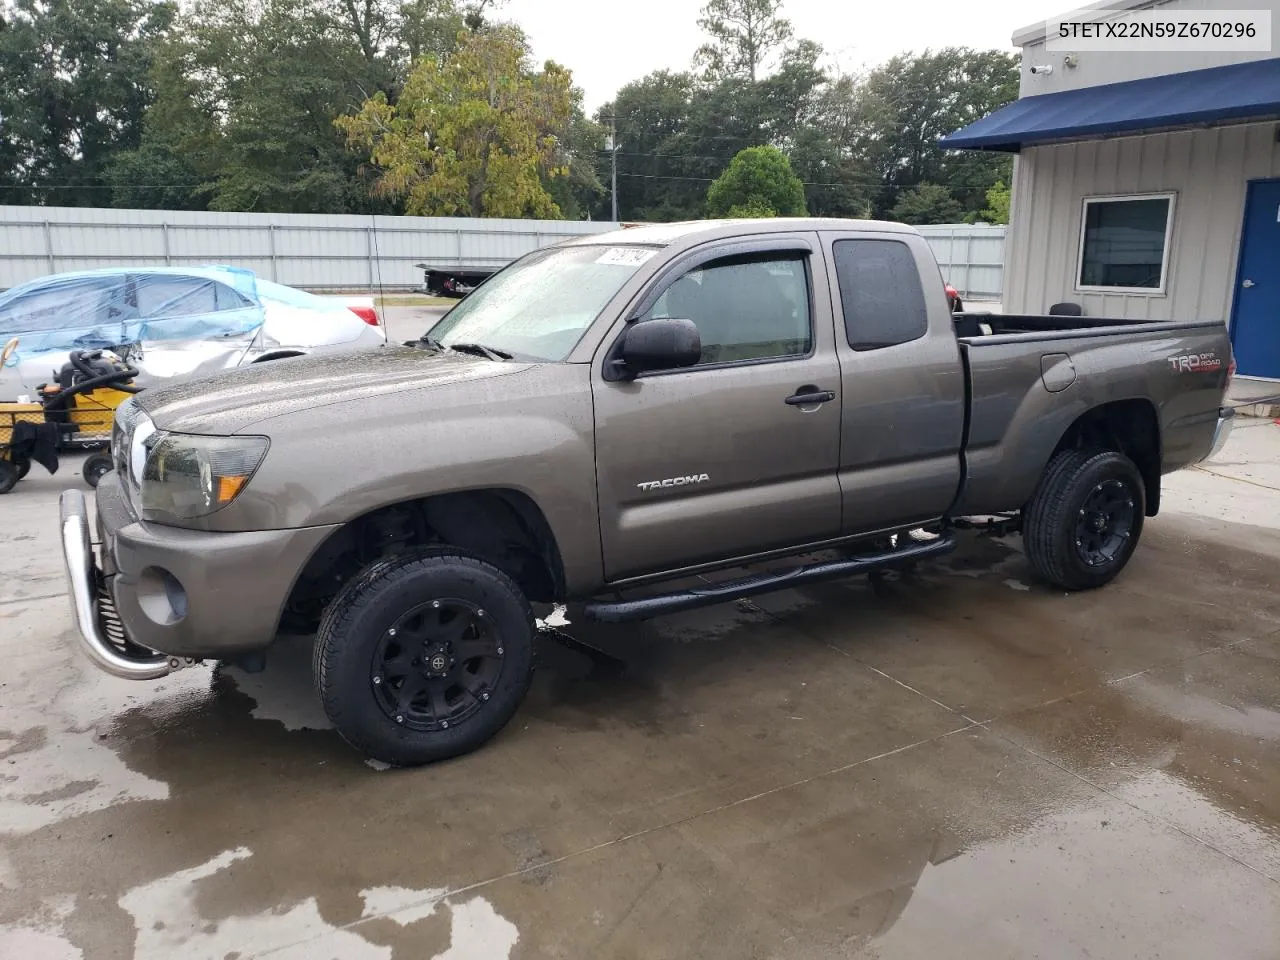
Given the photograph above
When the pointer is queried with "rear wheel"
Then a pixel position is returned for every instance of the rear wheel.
(424, 657)
(95, 468)
(1084, 520)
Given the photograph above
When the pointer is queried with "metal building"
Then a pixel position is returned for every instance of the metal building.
(1146, 184)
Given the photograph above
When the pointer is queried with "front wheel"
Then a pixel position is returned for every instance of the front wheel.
(1085, 518)
(424, 656)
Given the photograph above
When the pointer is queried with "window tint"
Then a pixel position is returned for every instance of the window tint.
(744, 309)
(1124, 242)
(165, 296)
(879, 292)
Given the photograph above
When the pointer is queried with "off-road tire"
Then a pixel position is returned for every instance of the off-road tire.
(9, 476)
(357, 621)
(1049, 523)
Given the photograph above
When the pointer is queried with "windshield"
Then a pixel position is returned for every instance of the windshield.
(539, 307)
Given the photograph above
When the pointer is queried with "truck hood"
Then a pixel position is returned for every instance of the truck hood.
(230, 402)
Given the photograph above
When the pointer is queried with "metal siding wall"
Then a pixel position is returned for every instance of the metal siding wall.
(970, 256)
(312, 251)
(1208, 170)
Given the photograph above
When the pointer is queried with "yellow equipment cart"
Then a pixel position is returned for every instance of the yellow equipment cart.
(76, 411)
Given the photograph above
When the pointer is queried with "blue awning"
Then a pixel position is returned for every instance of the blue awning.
(1240, 91)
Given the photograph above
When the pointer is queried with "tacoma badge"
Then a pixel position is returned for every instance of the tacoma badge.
(674, 481)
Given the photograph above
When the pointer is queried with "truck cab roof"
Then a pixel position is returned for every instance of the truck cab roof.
(665, 234)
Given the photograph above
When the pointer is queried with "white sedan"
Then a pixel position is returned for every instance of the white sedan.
(172, 322)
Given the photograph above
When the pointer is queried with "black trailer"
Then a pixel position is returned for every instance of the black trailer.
(453, 281)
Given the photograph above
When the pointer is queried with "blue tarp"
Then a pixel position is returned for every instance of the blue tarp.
(114, 307)
(1240, 91)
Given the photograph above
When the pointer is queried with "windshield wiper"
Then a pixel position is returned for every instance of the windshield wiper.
(491, 353)
(426, 340)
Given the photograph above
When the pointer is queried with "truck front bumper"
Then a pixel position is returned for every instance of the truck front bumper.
(1226, 420)
(165, 596)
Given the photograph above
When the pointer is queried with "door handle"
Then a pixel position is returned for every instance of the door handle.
(1247, 284)
(808, 395)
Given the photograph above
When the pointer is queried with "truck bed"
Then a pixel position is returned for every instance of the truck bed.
(1031, 377)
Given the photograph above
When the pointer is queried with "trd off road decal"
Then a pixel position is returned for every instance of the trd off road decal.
(1196, 363)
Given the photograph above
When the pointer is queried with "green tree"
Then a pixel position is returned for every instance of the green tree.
(477, 133)
(656, 179)
(578, 193)
(927, 203)
(906, 105)
(758, 179)
(997, 208)
(743, 35)
(75, 82)
(753, 206)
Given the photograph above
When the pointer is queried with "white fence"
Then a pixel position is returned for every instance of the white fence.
(322, 251)
(303, 250)
(971, 257)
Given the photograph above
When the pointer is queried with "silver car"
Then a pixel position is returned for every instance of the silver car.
(171, 322)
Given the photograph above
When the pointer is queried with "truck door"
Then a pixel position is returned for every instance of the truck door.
(902, 419)
(720, 459)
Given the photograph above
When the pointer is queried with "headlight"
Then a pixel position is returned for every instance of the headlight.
(185, 475)
(122, 425)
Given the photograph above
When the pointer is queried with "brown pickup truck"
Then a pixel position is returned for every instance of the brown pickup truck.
(603, 418)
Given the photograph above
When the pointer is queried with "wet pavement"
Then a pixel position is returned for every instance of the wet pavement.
(955, 764)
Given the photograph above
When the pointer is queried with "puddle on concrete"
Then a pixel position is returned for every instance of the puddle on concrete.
(166, 913)
(1173, 896)
(169, 924)
(40, 935)
(56, 759)
(476, 929)
(284, 691)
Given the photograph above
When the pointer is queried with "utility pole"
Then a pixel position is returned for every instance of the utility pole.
(612, 146)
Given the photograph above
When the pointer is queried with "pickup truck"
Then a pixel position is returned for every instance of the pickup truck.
(598, 422)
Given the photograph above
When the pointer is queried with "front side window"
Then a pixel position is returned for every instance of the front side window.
(1124, 243)
(63, 303)
(745, 309)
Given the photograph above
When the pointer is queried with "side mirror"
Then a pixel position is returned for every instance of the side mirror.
(664, 343)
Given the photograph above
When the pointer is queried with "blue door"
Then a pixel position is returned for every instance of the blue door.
(1256, 313)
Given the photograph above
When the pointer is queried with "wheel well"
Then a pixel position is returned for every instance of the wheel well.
(279, 355)
(502, 527)
(1130, 427)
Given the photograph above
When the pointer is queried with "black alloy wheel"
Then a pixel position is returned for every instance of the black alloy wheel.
(437, 665)
(1105, 522)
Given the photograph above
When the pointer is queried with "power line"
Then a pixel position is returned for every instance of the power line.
(808, 183)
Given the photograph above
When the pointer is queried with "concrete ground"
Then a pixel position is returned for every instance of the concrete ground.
(963, 765)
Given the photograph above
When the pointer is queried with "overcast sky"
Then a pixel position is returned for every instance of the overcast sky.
(609, 44)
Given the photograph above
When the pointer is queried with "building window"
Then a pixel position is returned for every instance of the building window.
(1124, 243)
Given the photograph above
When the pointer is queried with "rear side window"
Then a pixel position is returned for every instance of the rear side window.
(161, 296)
(227, 299)
(880, 293)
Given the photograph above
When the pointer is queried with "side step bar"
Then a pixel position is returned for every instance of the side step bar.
(617, 611)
